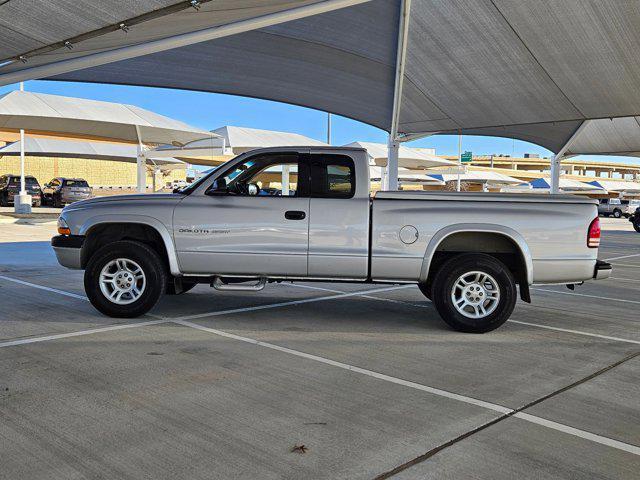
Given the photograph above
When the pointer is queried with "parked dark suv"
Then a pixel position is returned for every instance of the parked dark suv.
(61, 191)
(10, 187)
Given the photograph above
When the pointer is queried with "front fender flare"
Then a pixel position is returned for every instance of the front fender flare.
(160, 227)
(443, 233)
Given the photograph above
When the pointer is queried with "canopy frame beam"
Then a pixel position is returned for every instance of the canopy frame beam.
(557, 158)
(175, 41)
(391, 177)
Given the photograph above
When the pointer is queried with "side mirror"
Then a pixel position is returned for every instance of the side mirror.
(219, 187)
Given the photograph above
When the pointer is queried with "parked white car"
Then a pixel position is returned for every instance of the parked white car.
(306, 214)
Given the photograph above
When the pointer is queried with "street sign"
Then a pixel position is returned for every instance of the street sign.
(466, 157)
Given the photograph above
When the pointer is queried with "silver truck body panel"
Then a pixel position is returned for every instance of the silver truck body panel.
(249, 236)
(551, 232)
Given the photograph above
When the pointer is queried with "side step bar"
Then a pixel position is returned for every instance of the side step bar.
(239, 284)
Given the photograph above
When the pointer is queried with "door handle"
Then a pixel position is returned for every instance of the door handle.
(295, 215)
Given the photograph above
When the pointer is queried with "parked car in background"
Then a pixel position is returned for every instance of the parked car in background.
(61, 191)
(635, 219)
(10, 188)
(616, 207)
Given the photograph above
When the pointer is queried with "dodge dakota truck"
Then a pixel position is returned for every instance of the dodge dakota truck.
(306, 214)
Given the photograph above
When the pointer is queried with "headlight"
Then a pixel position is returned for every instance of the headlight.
(63, 228)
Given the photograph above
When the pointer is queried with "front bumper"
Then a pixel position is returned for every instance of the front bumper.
(68, 249)
(602, 270)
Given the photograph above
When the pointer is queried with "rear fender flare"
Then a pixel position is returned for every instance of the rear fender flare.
(445, 232)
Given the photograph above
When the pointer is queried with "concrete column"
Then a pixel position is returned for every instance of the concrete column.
(392, 165)
(141, 176)
(555, 174)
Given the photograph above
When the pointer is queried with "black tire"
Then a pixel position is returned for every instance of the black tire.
(4, 201)
(454, 268)
(171, 287)
(151, 265)
(617, 213)
(57, 201)
(636, 226)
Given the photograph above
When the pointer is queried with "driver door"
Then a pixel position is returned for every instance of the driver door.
(253, 221)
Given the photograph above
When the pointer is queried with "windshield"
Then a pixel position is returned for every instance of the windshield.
(76, 183)
(28, 181)
(191, 187)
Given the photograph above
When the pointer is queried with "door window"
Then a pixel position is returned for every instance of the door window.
(273, 175)
(332, 176)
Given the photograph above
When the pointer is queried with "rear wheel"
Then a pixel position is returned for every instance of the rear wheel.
(474, 292)
(4, 202)
(56, 200)
(636, 226)
(125, 279)
(617, 213)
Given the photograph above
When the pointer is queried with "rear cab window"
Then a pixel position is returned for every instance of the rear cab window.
(332, 176)
(75, 183)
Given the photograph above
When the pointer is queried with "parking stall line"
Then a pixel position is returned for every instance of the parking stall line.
(621, 257)
(624, 279)
(504, 411)
(340, 295)
(42, 287)
(577, 332)
(25, 341)
(286, 304)
(627, 265)
(586, 295)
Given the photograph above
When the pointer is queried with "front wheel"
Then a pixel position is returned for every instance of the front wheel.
(617, 213)
(636, 225)
(474, 292)
(124, 279)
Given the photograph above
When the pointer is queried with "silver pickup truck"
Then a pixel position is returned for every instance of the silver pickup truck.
(306, 214)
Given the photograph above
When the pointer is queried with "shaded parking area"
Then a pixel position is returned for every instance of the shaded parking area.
(315, 380)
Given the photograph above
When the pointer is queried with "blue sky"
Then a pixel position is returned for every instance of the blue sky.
(210, 110)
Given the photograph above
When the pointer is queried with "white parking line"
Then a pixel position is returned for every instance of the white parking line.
(352, 368)
(42, 287)
(577, 332)
(585, 295)
(425, 388)
(24, 341)
(370, 297)
(286, 304)
(625, 265)
(624, 279)
(622, 256)
(609, 442)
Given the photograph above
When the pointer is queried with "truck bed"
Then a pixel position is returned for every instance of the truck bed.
(483, 197)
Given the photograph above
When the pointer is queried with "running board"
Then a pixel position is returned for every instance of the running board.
(219, 284)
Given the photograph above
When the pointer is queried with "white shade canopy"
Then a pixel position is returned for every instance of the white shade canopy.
(566, 185)
(414, 158)
(483, 177)
(77, 116)
(242, 139)
(406, 176)
(618, 186)
(50, 147)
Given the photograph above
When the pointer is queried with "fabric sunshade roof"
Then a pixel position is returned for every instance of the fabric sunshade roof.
(57, 114)
(481, 176)
(241, 139)
(50, 147)
(566, 184)
(532, 70)
(617, 185)
(408, 157)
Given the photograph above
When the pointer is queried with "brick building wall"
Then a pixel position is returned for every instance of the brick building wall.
(99, 173)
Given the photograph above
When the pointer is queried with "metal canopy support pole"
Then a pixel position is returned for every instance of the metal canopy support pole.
(401, 56)
(459, 161)
(557, 158)
(175, 41)
(328, 128)
(141, 171)
(22, 202)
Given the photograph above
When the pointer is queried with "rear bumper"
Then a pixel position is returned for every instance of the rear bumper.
(68, 249)
(602, 270)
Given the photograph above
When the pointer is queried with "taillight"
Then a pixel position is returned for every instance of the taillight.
(593, 236)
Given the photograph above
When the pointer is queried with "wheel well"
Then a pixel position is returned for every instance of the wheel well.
(105, 233)
(497, 245)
